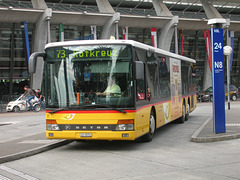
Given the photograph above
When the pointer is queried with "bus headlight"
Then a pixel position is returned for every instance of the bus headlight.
(125, 125)
(52, 127)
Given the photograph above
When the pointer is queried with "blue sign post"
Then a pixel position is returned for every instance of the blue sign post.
(218, 80)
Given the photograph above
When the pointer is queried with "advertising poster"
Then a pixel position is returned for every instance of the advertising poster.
(176, 87)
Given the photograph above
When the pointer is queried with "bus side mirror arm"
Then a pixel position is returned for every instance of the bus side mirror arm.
(139, 70)
(33, 61)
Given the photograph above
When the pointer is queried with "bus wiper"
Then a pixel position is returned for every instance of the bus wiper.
(57, 110)
(106, 106)
(92, 105)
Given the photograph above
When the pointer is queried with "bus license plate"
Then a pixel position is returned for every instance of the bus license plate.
(86, 134)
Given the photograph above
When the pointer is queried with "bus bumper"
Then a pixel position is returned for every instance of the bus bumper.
(92, 135)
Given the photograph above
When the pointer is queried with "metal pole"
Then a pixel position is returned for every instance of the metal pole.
(48, 30)
(176, 40)
(116, 24)
(228, 70)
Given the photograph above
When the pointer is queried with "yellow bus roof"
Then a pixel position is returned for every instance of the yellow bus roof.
(118, 42)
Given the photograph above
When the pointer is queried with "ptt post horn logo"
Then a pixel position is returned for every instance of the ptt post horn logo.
(69, 116)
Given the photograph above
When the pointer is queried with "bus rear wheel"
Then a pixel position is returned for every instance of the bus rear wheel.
(152, 127)
(187, 113)
(183, 117)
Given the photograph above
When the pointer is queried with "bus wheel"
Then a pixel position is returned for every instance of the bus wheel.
(152, 126)
(187, 114)
(182, 119)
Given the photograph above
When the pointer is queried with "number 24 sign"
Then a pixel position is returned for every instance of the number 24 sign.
(217, 46)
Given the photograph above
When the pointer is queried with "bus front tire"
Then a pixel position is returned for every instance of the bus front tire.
(152, 126)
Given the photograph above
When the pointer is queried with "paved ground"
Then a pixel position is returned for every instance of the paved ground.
(205, 132)
(22, 134)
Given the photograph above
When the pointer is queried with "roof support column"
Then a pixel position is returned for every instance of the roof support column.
(41, 38)
(165, 38)
(110, 27)
(104, 6)
(211, 13)
(166, 35)
(160, 8)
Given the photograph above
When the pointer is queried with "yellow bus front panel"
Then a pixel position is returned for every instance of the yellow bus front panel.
(101, 125)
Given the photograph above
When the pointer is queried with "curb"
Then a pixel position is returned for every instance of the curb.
(32, 152)
(195, 138)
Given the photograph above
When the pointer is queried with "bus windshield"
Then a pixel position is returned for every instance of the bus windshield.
(89, 76)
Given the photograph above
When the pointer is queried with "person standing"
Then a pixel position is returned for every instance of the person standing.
(29, 92)
(40, 97)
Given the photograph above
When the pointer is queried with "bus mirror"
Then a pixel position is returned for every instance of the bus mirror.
(33, 60)
(139, 69)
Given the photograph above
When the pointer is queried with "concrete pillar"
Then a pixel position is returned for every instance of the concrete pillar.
(160, 8)
(207, 77)
(166, 35)
(39, 4)
(165, 38)
(109, 28)
(104, 6)
(211, 13)
(41, 37)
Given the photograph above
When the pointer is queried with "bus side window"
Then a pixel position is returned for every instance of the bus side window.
(141, 83)
(164, 77)
(141, 90)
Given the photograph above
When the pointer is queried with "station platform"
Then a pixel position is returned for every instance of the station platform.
(27, 144)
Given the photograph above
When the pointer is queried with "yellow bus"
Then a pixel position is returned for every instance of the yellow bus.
(113, 89)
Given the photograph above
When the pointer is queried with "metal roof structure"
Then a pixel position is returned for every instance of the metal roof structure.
(134, 13)
(182, 8)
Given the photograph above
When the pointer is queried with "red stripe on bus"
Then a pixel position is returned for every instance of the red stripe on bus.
(90, 111)
(150, 105)
(189, 95)
(112, 111)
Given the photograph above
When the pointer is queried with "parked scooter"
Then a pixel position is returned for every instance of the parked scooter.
(20, 104)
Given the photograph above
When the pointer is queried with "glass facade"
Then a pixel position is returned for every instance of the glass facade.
(73, 33)
(235, 70)
(13, 60)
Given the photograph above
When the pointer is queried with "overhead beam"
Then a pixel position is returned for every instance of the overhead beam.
(160, 8)
(104, 6)
(39, 4)
(210, 10)
(136, 6)
(189, 6)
